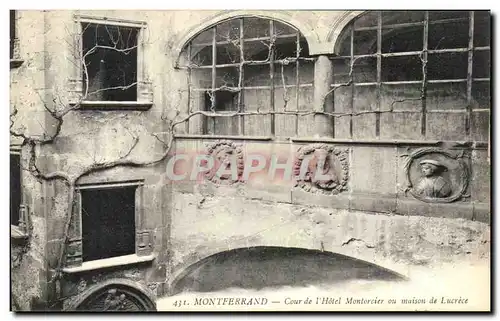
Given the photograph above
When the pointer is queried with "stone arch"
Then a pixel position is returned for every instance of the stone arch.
(281, 16)
(131, 295)
(339, 24)
(286, 266)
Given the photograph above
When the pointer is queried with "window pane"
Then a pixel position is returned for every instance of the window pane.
(397, 17)
(341, 68)
(448, 35)
(286, 48)
(344, 41)
(481, 94)
(446, 14)
(366, 20)
(403, 39)
(201, 55)
(365, 98)
(365, 70)
(108, 223)
(404, 68)
(481, 67)
(255, 28)
(205, 37)
(283, 29)
(12, 31)
(15, 188)
(228, 31)
(201, 78)
(482, 28)
(228, 53)
(227, 76)
(447, 66)
(110, 63)
(401, 97)
(256, 50)
(257, 75)
(447, 96)
(365, 42)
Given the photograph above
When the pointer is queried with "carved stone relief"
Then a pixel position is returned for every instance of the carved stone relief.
(330, 162)
(435, 175)
(123, 296)
(225, 154)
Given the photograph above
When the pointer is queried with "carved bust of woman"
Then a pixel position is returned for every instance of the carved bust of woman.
(432, 184)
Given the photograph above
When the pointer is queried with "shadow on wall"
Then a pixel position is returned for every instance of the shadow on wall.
(260, 267)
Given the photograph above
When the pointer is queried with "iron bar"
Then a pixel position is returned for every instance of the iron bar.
(271, 73)
(469, 73)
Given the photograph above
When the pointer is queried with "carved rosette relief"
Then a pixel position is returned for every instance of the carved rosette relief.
(435, 175)
(321, 168)
(226, 155)
(112, 297)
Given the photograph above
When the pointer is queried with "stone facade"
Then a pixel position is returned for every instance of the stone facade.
(371, 214)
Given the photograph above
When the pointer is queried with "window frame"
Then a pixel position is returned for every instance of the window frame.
(20, 230)
(207, 125)
(15, 53)
(144, 86)
(471, 50)
(144, 238)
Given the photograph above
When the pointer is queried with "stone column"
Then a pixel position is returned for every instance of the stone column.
(323, 73)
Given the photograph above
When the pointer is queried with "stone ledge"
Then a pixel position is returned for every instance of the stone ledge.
(373, 203)
(15, 63)
(113, 105)
(111, 262)
(16, 233)
(482, 212)
(444, 210)
(194, 136)
(301, 197)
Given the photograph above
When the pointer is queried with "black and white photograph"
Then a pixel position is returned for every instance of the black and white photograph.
(250, 160)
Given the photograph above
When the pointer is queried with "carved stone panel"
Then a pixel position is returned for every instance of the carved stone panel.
(228, 162)
(435, 175)
(321, 168)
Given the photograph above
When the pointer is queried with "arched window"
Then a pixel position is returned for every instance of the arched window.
(415, 75)
(243, 69)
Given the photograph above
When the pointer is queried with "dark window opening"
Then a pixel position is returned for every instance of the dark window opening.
(108, 223)
(110, 62)
(12, 32)
(15, 188)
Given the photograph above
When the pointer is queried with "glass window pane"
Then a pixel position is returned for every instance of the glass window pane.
(365, 70)
(448, 35)
(401, 97)
(228, 53)
(256, 50)
(397, 17)
(447, 96)
(365, 42)
(403, 39)
(341, 68)
(201, 55)
(447, 14)
(482, 28)
(255, 28)
(228, 30)
(403, 68)
(481, 67)
(366, 20)
(447, 66)
(481, 96)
